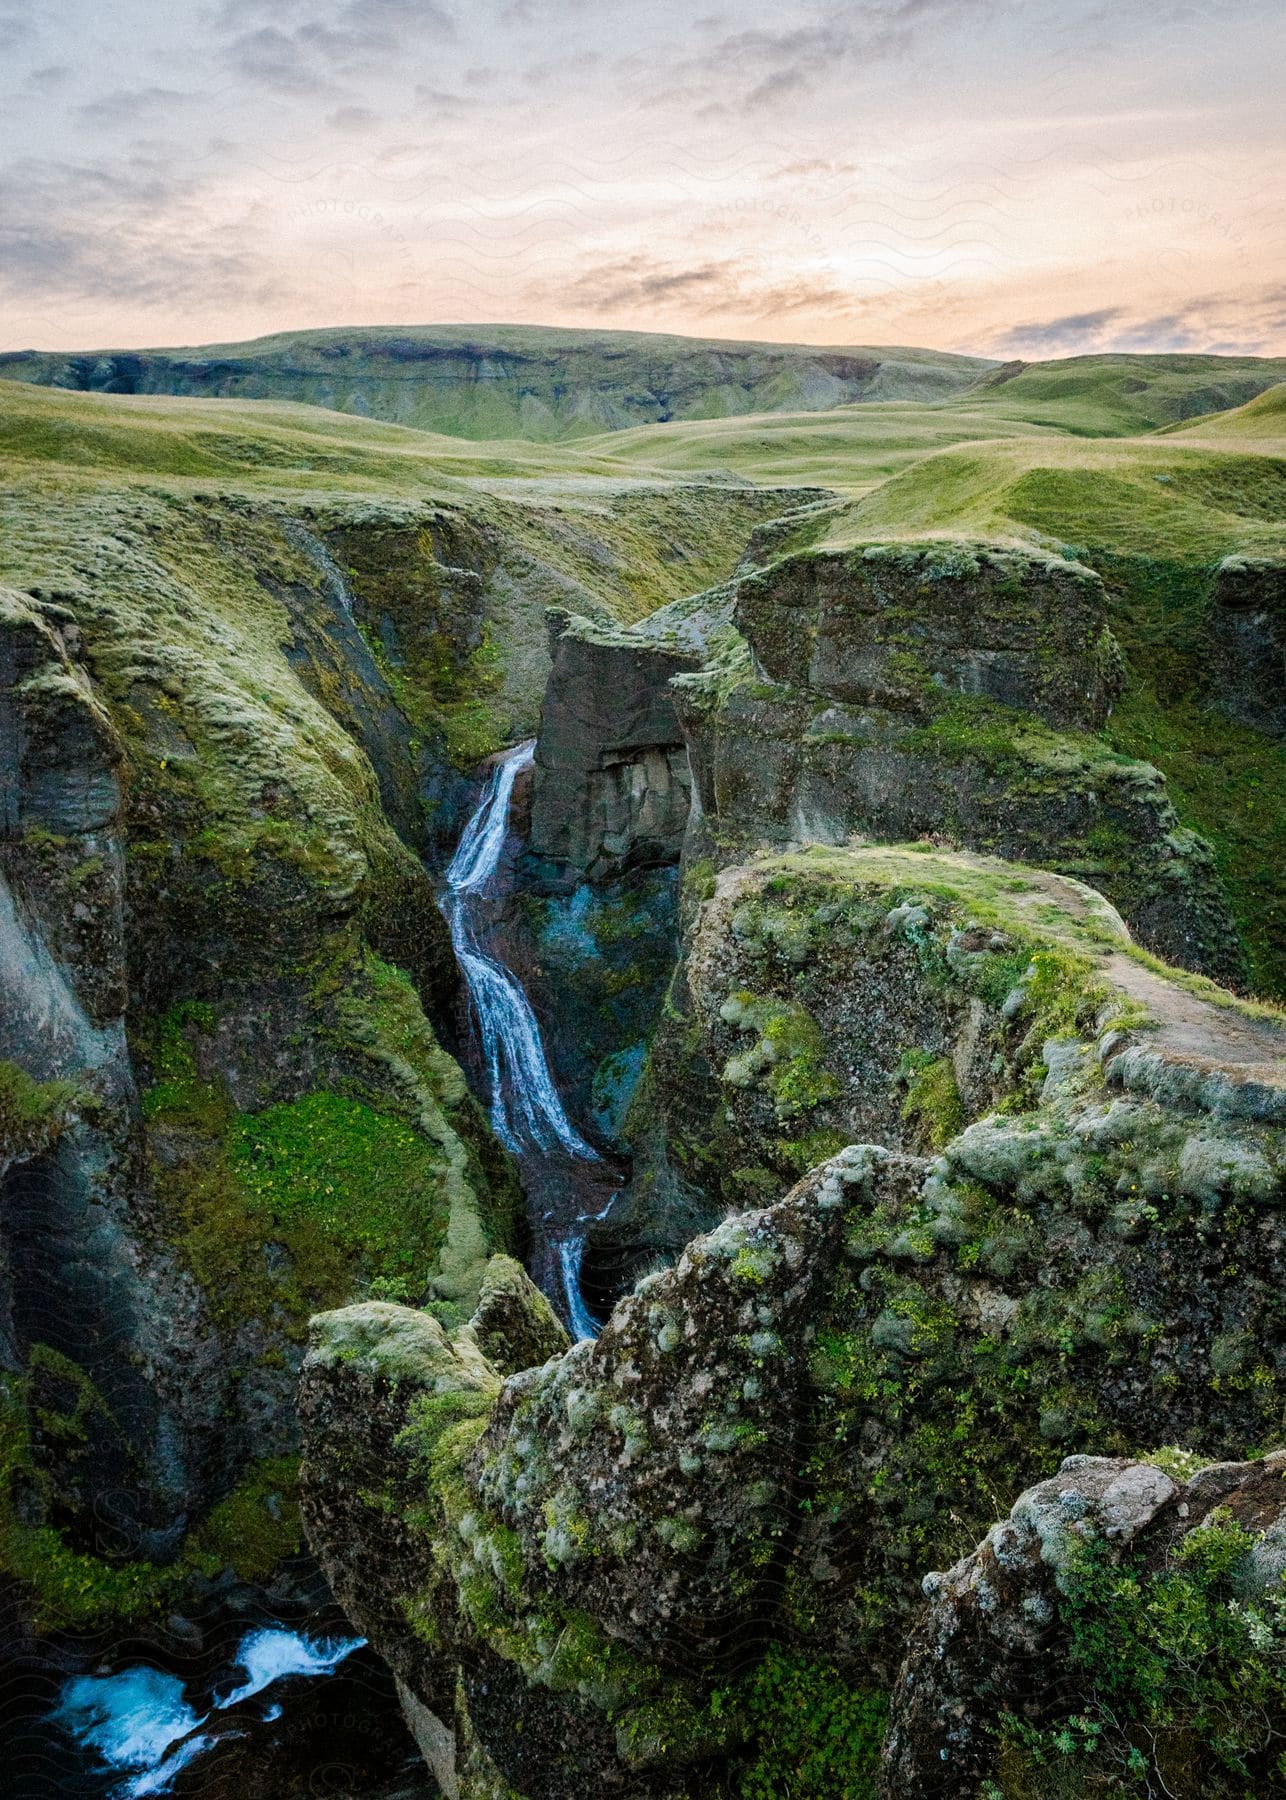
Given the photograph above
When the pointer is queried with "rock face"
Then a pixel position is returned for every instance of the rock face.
(880, 626)
(946, 692)
(217, 955)
(67, 1162)
(774, 1440)
(1247, 634)
(612, 781)
(1000, 1634)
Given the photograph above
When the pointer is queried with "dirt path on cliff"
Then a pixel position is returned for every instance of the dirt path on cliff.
(1187, 1026)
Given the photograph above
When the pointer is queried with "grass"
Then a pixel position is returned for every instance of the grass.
(503, 381)
(336, 1167)
(618, 524)
(1155, 496)
(1009, 897)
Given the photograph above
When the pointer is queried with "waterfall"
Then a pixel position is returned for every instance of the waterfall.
(527, 1112)
(571, 1252)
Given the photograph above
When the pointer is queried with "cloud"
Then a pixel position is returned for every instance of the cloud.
(1052, 336)
(126, 231)
(724, 287)
(332, 44)
(126, 106)
(16, 29)
(439, 100)
(762, 68)
(637, 280)
(352, 118)
(1244, 323)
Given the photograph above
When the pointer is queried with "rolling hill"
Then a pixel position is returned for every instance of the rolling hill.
(500, 381)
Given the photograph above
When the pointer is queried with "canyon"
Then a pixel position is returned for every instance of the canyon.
(659, 1093)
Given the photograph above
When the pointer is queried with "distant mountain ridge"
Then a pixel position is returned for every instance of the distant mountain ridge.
(502, 381)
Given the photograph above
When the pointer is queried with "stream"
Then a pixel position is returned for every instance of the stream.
(567, 1183)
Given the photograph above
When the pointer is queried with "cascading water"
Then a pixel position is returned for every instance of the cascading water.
(140, 1727)
(525, 1108)
(526, 1111)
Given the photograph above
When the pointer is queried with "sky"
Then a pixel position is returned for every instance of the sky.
(1012, 179)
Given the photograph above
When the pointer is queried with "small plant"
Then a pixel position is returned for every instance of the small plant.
(1187, 1674)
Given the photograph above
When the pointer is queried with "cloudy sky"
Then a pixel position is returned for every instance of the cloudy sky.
(1018, 177)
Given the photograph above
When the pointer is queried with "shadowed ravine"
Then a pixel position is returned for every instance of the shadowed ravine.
(563, 1176)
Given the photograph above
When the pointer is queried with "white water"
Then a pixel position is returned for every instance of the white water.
(141, 1726)
(129, 1720)
(271, 1652)
(582, 1321)
(526, 1111)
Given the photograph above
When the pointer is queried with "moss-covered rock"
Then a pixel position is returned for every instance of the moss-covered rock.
(827, 997)
(950, 692)
(776, 1439)
(1124, 1628)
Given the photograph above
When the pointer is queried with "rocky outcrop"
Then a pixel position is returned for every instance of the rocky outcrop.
(612, 782)
(890, 626)
(947, 692)
(1247, 643)
(218, 952)
(1035, 1626)
(774, 1440)
(889, 691)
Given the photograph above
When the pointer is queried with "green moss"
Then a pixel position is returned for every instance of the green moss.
(55, 1375)
(698, 879)
(255, 1528)
(178, 1093)
(788, 1056)
(344, 1189)
(932, 1105)
(336, 1167)
(252, 1530)
(1229, 783)
(32, 1113)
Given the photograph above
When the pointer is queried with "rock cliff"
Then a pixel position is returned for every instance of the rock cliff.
(635, 1559)
(1123, 1615)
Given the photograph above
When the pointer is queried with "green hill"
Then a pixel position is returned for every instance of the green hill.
(1264, 417)
(544, 384)
(1111, 396)
(501, 381)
